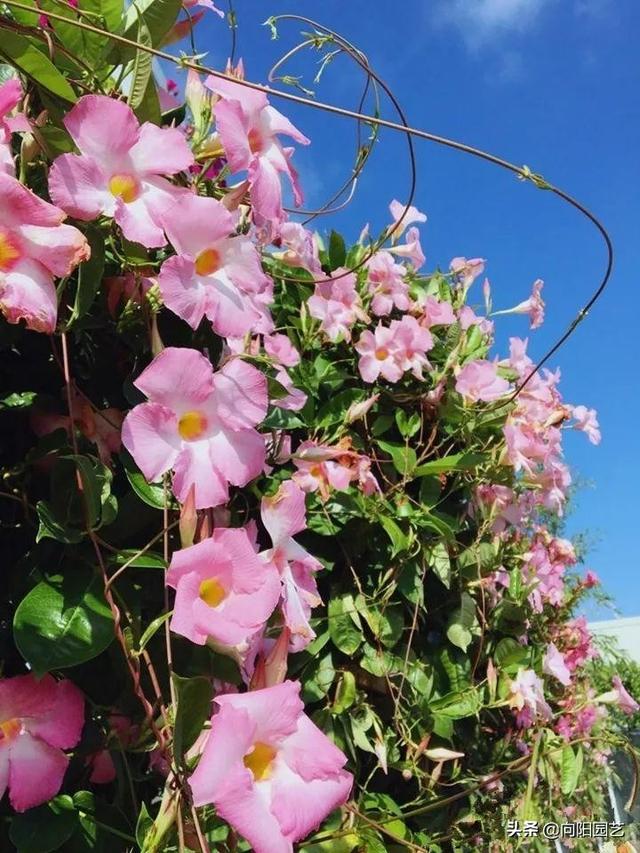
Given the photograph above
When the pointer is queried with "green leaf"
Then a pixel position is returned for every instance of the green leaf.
(337, 250)
(148, 560)
(463, 623)
(466, 461)
(18, 400)
(31, 61)
(45, 828)
(344, 624)
(570, 769)
(141, 72)
(89, 276)
(159, 16)
(143, 825)
(395, 534)
(318, 679)
(335, 410)
(151, 493)
(345, 693)
(335, 845)
(63, 621)
(151, 630)
(439, 562)
(50, 527)
(194, 709)
(457, 705)
(408, 424)
(403, 457)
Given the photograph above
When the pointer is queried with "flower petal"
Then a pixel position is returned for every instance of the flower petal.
(27, 293)
(150, 434)
(103, 128)
(79, 186)
(160, 151)
(36, 771)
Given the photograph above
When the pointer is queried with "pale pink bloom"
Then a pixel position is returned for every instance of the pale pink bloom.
(486, 294)
(479, 380)
(10, 95)
(198, 423)
(386, 284)
(213, 273)
(356, 411)
(435, 312)
(207, 4)
(527, 698)
(322, 468)
(224, 592)
(268, 770)
(587, 421)
(411, 249)
(625, 700)
(505, 507)
(119, 171)
(553, 664)
(415, 342)
(591, 579)
(35, 247)
(295, 399)
(249, 128)
(553, 483)
(337, 305)
(545, 576)
(381, 353)
(366, 479)
(466, 271)
(301, 249)
(467, 317)
(403, 217)
(518, 358)
(38, 719)
(577, 643)
(284, 515)
(528, 446)
(281, 350)
(533, 306)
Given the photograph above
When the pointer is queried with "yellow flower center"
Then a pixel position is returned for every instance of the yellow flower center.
(259, 760)
(255, 141)
(9, 252)
(382, 353)
(191, 425)
(212, 592)
(208, 262)
(124, 187)
(10, 729)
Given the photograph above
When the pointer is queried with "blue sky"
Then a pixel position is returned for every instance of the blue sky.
(548, 83)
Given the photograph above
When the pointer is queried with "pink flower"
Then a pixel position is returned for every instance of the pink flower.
(207, 4)
(284, 515)
(198, 423)
(587, 421)
(466, 271)
(213, 273)
(386, 284)
(533, 306)
(35, 247)
(269, 771)
(380, 352)
(415, 342)
(295, 398)
(337, 304)
(224, 592)
(10, 95)
(435, 312)
(591, 579)
(527, 698)
(411, 249)
(38, 719)
(281, 350)
(553, 664)
(403, 217)
(321, 468)
(119, 170)
(249, 128)
(467, 317)
(625, 700)
(479, 380)
(577, 643)
(301, 248)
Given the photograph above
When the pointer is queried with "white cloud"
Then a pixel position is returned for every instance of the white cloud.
(482, 21)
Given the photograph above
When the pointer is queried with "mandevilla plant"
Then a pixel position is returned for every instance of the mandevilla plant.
(281, 564)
